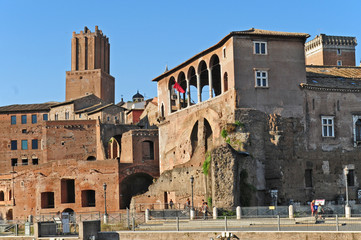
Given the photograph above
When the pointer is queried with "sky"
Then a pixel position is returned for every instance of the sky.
(145, 36)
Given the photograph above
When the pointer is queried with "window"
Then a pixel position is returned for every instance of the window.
(327, 127)
(35, 161)
(14, 145)
(88, 198)
(339, 63)
(13, 120)
(66, 115)
(34, 119)
(79, 115)
(47, 200)
(34, 144)
(308, 178)
(24, 144)
(56, 116)
(260, 48)
(45, 117)
(25, 161)
(14, 162)
(148, 150)
(358, 130)
(351, 178)
(338, 51)
(224, 52)
(261, 78)
(23, 119)
(67, 191)
(23, 131)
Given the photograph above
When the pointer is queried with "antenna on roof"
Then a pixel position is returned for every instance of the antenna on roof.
(166, 68)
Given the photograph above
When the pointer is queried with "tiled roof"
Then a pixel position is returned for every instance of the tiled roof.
(254, 31)
(27, 107)
(333, 78)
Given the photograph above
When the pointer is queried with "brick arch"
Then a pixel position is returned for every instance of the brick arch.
(214, 65)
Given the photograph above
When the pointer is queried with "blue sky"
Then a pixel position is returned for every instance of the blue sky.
(145, 36)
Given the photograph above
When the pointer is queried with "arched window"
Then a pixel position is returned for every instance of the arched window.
(148, 150)
(225, 82)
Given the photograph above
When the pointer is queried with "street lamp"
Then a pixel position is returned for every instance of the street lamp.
(345, 171)
(192, 181)
(105, 199)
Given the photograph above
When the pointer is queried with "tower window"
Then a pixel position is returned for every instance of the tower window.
(261, 78)
(34, 119)
(260, 48)
(45, 117)
(13, 120)
(23, 119)
(339, 63)
(338, 51)
(14, 144)
(327, 127)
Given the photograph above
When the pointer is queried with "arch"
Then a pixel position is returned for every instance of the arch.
(133, 185)
(2, 196)
(183, 96)
(172, 95)
(204, 80)
(91, 158)
(215, 67)
(9, 214)
(225, 82)
(114, 147)
(147, 150)
(68, 210)
(193, 92)
(194, 137)
(208, 135)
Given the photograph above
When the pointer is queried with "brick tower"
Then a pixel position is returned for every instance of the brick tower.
(331, 50)
(90, 66)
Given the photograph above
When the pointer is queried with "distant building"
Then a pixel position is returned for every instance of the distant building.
(331, 50)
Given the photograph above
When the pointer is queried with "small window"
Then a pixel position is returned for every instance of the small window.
(66, 115)
(14, 162)
(45, 117)
(351, 178)
(13, 120)
(339, 63)
(35, 161)
(23, 119)
(224, 52)
(108, 119)
(338, 51)
(25, 161)
(327, 127)
(24, 144)
(34, 144)
(56, 116)
(23, 131)
(34, 119)
(79, 115)
(260, 48)
(308, 178)
(261, 78)
(14, 145)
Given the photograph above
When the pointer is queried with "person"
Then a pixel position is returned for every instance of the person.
(188, 203)
(205, 210)
(171, 204)
(319, 211)
(313, 207)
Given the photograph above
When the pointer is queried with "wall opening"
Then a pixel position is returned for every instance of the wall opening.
(67, 191)
(88, 198)
(194, 137)
(114, 147)
(133, 185)
(216, 75)
(351, 178)
(2, 196)
(208, 133)
(225, 82)
(91, 158)
(47, 200)
(148, 150)
(9, 215)
(308, 178)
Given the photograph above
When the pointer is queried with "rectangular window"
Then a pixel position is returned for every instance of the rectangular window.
(339, 63)
(56, 116)
(260, 48)
(351, 178)
(79, 115)
(308, 177)
(25, 161)
(35, 161)
(34, 119)
(23, 119)
(13, 120)
(14, 145)
(14, 162)
(45, 117)
(34, 143)
(338, 51)
(24, 144)
(47, 200)
(327, 127)
(261, 78)
(66, 115)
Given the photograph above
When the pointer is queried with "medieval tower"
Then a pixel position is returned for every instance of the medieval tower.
(90, 63)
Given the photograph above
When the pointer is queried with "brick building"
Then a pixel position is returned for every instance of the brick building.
(55, 157)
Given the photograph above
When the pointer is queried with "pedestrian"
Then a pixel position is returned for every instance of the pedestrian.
(188, 203)
(205, 210)
(319, 211)
(313, 207)
(171, 204)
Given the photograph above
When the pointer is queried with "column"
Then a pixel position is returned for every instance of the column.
(188, 93)
(169, 101)
(222, 78)
(178, 100)
(199, 88)
(210, 82)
